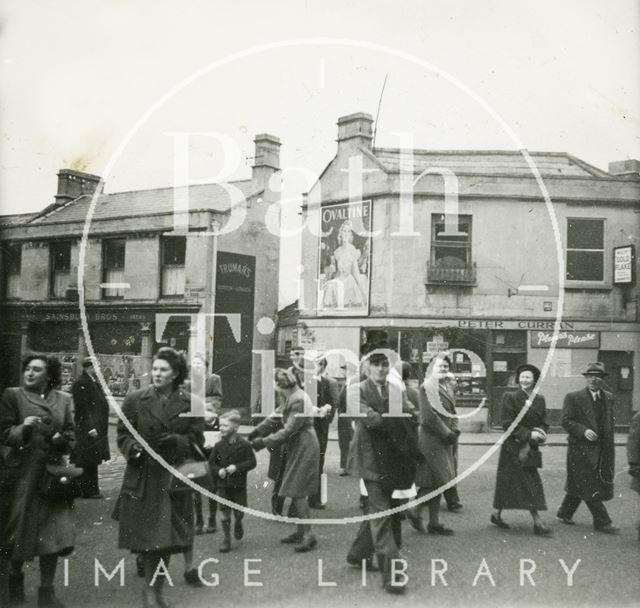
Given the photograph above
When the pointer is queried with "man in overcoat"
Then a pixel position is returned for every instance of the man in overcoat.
(633, 455)
(383, 453)
(92, 428)
(588, 417)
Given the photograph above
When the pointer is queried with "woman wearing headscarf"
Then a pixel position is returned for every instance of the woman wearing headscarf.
(36, 430)
(437, 436)
(518, 482)
(301, 470)
(155, 509)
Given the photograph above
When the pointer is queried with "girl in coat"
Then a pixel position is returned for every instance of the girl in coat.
(150, 492)
(437, 436)
(36, 429)
(518, 483)
(300, 476)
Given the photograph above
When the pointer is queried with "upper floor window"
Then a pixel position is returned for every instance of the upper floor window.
(60, 268)
(585, 249)
(173, 255)
(113, 267)
(450, 251)
(11, 265)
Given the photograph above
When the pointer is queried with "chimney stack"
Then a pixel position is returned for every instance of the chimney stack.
(72, 184)
(625, 167)
(355, 130)
(267, 156)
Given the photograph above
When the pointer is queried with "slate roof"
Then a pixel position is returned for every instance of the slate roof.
(16, 219)
(141, 202)
(489, 162)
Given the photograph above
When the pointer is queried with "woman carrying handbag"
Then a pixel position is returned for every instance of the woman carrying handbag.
(37, 432)
(150, 492)
(518, 483)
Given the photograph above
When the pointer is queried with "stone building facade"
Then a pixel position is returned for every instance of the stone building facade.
(477, 264)
(139, 261)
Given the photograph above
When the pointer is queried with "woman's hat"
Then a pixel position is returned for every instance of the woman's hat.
(595, 369)
(527, 367)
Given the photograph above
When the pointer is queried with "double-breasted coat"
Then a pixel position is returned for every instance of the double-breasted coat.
(518, 484)
(633, 450)
(436, 436)
(36, 525)
(383, 448)
(590, 464)
(154, 509)
(297, 435)
(91, 412)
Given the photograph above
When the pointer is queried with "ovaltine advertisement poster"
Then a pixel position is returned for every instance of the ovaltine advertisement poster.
(345, 257)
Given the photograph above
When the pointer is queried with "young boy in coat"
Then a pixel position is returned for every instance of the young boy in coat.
(231, 459)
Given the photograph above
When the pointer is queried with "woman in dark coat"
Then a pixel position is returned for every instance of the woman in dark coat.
(437, 436)
(155, 509)
(36, 425)
(301, 470)
(518, 483)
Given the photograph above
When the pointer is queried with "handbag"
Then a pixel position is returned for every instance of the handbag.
(194, 469)
(530, 457)
(60, 482)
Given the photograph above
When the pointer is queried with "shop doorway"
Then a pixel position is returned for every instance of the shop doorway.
(619, 365)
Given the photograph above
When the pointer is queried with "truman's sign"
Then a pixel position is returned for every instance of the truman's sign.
(566, 339)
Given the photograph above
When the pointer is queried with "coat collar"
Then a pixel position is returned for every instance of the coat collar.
(47, 403)
(588, 407)
(162, 407)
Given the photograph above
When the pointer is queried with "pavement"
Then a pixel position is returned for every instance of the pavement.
(483, 564)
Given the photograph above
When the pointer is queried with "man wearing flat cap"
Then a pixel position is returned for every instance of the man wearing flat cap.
(92, 428)
(587, 415)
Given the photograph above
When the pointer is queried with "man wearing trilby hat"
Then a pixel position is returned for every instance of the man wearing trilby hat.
(587, 415)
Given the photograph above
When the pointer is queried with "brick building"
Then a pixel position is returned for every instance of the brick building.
(483, 283)
(137, 265)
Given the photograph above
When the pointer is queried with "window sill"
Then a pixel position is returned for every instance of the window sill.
(587, 285)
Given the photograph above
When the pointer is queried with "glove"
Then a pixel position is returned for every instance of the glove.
(135, 454)
(253, 434)
(258, 444)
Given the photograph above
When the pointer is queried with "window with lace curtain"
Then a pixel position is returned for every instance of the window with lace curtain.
(173, 256)
(113, 268)
(11, 267)
(60, 278)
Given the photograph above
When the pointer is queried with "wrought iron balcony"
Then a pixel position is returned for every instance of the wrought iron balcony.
(446, 274)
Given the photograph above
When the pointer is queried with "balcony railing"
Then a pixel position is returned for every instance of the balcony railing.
(439, 274)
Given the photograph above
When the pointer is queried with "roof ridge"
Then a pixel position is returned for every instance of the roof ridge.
(237, 181)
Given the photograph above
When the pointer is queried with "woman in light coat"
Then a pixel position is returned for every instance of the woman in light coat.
(437, 437)
(155, 509)
(36, 429)
(301, 471)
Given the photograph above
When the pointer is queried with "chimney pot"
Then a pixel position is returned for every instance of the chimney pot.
(72, 184)
(625, 167)
(357, 129)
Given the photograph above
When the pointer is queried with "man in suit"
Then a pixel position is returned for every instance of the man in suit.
(587, 415)
(383, 453)
(328, 394)
(92, 428)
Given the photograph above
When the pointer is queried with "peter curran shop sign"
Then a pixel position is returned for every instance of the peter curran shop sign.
(566, 339)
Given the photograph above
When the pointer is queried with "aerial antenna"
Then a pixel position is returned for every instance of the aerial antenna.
(375, 128)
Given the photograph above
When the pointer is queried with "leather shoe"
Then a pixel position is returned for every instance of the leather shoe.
(192, 579)
(439, 530)
(608, 529)
(565, 520)
(317, 505)
(541, 530)
(498, 521)
(455, 507)
(309, 542)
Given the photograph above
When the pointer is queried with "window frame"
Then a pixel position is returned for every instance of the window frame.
(604, 282)
(6, 247)
(163, 241)
(53, 246)
(438, 218)
(119, 295)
